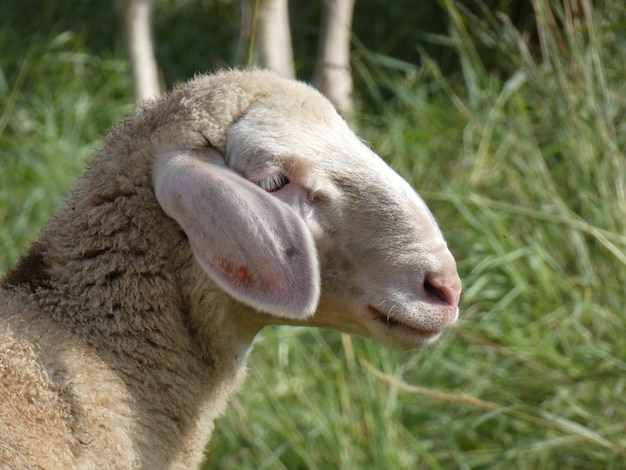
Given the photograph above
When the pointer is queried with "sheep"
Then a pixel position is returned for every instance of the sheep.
(239, 200)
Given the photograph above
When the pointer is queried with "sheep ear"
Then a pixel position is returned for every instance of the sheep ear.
(254, 246)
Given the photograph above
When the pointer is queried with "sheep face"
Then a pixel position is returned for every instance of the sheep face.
(300, 220)
(386, 271)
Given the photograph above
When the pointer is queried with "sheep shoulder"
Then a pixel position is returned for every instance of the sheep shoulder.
(53, 392)
(35, 424)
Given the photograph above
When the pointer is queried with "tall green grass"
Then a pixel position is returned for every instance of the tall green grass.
(518, 150)
(524, 167)
(56, 102)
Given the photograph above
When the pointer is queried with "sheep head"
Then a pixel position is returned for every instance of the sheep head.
(288, 211)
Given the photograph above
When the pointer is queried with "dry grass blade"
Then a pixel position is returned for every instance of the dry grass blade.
(556, 423)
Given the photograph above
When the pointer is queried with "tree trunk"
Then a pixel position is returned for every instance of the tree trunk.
(333, 75)
(137, 19)
(274, 36)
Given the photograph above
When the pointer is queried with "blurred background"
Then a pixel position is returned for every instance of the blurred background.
(508, 117)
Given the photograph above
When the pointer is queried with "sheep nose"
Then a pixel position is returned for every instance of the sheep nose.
(444, 285)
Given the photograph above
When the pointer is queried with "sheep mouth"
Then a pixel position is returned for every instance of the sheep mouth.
(392, 321)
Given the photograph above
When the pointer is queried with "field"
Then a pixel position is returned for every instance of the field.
(511, 125)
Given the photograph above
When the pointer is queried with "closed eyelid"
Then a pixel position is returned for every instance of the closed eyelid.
(273, 182)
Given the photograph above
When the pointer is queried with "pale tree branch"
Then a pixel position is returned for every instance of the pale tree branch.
(333, 75)
(137, 19)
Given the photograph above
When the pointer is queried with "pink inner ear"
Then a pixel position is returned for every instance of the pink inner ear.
(253, 245)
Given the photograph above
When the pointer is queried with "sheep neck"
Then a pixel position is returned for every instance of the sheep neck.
(132, 303)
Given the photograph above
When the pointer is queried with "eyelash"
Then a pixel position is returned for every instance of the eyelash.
(273, 183)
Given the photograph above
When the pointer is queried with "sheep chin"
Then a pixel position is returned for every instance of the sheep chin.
(402, 331)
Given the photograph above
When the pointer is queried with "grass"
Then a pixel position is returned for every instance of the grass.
(56, 103)
(519, 151)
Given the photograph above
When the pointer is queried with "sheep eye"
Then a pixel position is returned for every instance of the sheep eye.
(273, 183)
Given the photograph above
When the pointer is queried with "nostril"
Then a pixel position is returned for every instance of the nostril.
(435, 291)
(445, 288)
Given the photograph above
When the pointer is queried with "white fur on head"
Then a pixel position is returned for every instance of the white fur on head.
(386, 270)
